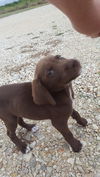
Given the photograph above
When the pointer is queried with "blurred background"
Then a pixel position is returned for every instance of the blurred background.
(8, 7)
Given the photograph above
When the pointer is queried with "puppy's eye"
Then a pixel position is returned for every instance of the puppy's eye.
(58, 57)
(50, 72)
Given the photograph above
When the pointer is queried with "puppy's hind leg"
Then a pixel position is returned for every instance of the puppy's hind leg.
(29, 127)
(11, 124)
(75, 115)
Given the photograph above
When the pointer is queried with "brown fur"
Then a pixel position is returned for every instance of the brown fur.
(49, 96)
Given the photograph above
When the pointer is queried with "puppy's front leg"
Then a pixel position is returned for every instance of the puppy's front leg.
(61, 126)
(78, 118)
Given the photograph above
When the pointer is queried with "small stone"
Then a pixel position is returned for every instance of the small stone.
(97, 117)
(64, 154)
(54, 166)
(32, 144)
(32, 163)
(80, 169)
(1, 164)
(43, 174)
(98, 147)
(78, 162)
(46, 149)
(49, 169)
(0, 145)
(84, 143)
(71, 161)
(98, 138)
(43, 167)
(89, 175)
(98, 92)
(89, 121)
(35, 129)
(97, 175)
(28, 136)
(40, 160)
(95, 126)
(13, 174)
(27, 157)
(71, 174)
(98, 102)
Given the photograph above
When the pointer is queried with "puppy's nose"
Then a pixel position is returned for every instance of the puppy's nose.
(75, 63)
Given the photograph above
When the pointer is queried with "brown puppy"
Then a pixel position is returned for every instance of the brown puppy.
(49, 96)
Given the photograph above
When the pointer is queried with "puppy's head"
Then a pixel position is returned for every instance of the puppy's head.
(54, 72)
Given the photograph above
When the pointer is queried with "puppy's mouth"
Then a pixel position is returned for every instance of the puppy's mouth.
(74, 76)
(63, 85)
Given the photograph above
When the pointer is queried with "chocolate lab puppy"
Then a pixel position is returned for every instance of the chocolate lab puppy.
(49, 96)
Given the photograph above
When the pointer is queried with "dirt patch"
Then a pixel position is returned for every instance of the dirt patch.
(53, 43)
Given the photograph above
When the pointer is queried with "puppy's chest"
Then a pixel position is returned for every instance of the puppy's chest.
(70, 94)
(64, 97)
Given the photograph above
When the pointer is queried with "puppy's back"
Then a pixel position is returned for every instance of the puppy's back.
(13, 93)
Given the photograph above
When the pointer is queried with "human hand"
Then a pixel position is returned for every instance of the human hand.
(84, 15)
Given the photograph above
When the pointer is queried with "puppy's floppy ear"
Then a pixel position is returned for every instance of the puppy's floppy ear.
(41, 95)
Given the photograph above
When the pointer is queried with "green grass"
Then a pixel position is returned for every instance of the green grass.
(19, 6)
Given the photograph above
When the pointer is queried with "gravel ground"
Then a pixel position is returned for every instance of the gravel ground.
(24, 39)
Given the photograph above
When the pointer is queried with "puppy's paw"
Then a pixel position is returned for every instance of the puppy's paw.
(83, 122)
(25, 148)
(34, 129)
(77, 146)
(28, 149)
